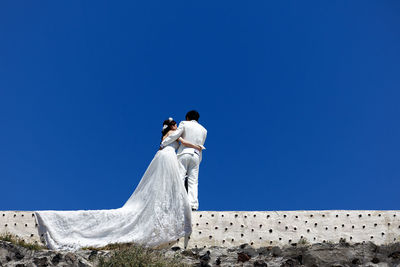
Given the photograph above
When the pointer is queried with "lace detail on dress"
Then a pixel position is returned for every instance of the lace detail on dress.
(156, 213)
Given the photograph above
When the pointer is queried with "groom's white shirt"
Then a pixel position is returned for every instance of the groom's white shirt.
(191, 131)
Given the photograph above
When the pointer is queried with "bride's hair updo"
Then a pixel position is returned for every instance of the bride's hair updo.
(167, 124)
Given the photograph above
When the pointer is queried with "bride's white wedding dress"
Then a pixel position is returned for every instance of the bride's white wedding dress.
(157, 212)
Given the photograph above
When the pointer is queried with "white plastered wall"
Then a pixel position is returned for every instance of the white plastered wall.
(259, 228)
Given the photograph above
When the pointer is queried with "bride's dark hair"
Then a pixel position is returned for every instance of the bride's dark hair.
(169, 123)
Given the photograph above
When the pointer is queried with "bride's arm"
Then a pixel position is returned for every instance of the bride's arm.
(173, 136)
(166, 135)
(188, 144)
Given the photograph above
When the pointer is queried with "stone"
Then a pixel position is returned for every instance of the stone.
(93, 255)
(312, 255)
(243, 257)
(18, 255)
(395, 255)
(276, 251)
(83, 263)
(190, 253)
(375, 260)
(356, 261)
(242, 246)
(204, 259)
(260, 263)
(263, 251)
(289, 263)
(70, 258)
(308, 259)
(371, 247)
(41, 262)
(249, 250)
(343, 242)
(299, 259)
(56, 259)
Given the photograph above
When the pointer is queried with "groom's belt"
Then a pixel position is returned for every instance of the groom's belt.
(189, 151)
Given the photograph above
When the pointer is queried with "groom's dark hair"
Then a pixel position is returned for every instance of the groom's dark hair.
(192, 115)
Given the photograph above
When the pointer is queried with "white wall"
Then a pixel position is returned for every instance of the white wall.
(265, 228)
(284, 227)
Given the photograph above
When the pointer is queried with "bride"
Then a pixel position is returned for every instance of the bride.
(157, 212)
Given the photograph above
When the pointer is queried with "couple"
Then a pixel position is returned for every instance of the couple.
(158, 211)
(191, 136)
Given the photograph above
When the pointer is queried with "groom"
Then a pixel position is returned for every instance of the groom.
(190, 158)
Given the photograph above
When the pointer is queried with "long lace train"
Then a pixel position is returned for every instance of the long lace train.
(157, 212)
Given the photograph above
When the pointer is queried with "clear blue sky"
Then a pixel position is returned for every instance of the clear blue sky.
(300, 99)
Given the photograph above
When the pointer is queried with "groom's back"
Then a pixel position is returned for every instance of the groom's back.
(193, 132)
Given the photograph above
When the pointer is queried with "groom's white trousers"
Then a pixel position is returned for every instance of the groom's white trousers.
(190, 170)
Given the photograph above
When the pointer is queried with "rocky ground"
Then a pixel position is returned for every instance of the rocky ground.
(14, 255)
(324, 254)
